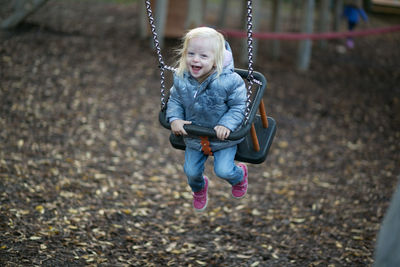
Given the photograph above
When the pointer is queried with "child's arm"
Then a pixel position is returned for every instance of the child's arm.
(176, 113)
(363, 14)
(236, 103)
(175, 109)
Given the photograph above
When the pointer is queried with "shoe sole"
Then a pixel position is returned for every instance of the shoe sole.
(239, 197)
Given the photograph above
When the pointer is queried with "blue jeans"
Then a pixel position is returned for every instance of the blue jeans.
(224, 167)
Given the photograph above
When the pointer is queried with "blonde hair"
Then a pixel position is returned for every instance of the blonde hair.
(202, 32)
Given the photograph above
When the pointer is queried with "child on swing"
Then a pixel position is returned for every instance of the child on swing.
(207, 92)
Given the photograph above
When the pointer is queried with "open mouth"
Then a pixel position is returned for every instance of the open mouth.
(196, 69)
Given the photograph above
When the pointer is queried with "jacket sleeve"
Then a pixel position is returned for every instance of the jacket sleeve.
(363, 14)
(237, 97)
(175, 108)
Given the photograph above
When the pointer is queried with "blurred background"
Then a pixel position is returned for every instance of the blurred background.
(88, 177)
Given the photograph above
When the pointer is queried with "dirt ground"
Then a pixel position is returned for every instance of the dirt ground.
(88, 178)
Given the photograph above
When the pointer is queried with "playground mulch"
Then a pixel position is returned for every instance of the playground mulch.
(88, 177)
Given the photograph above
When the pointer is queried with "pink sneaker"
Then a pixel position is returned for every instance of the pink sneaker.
(239, 190)
(200, 199)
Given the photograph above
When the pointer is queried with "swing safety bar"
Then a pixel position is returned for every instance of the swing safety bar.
(242, 131)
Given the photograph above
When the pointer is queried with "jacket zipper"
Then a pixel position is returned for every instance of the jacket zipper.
(195, 94)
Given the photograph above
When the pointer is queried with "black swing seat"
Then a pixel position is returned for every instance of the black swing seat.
(246, 151)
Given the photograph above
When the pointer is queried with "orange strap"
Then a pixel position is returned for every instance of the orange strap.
(205, 145)
(256, 144)
(263, 114)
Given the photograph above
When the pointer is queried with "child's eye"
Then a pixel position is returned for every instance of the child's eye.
(190, 53)
(204, 56)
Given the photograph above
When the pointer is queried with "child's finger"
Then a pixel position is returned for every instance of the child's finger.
(222, 134)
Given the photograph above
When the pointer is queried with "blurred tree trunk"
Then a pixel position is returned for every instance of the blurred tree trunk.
(294, 10)
(222, 14)
(304, 54)
(161, 19)
(195, 14)
(143, 20)
(22, 9)
(338, 14)
(276, 26)
(324, 18)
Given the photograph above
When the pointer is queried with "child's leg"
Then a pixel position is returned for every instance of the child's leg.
(351, 25)
(349, 40)
(224, 165)
(194, 168)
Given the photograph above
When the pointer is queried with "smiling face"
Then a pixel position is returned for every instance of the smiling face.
(200, 57)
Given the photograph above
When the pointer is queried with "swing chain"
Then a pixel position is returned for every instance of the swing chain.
(158, 50)
(250, 77)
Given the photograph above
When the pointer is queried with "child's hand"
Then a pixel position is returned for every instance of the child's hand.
(177, 127)
(222, 132)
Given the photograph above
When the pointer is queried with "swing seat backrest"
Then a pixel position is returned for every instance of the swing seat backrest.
(246, 151)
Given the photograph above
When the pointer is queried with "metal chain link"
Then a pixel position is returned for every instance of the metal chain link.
(158, 50)
(250, 77)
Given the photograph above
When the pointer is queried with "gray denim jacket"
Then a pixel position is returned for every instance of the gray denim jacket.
(216, 101)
